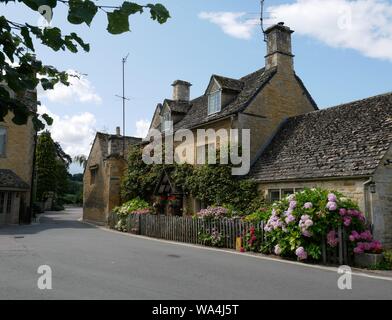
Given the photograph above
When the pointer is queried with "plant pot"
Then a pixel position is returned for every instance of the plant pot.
(366, 260)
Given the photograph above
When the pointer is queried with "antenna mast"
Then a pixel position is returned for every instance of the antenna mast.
(124, 98)
(262, 19)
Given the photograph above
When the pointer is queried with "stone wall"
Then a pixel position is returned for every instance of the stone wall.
(282, 97)
(94, 201)
(351, 188)
(381, 201)
(19, 157)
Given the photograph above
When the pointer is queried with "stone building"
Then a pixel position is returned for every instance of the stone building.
(17, 145)
(293, 145)
(102, 175)
(260, 101)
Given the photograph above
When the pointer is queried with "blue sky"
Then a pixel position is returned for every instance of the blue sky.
(337, 64)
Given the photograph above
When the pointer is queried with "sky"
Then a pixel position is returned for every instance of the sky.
(343, 52)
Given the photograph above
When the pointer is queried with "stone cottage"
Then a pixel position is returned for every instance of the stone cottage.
(102, 175)
(260, 101)
(17, 145)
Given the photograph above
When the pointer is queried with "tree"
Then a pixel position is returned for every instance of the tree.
(46, 165)
(21, 70)
(81, 160)
(51, 167)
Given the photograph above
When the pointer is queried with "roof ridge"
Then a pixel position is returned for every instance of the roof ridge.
(346, 104)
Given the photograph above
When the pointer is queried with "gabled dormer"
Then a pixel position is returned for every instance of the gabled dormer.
(221, 91)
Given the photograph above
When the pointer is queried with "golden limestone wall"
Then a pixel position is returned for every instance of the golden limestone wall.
(282, 97)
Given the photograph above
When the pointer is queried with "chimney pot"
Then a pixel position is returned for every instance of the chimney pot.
(279, 52)
(181, 90)
(118, 131)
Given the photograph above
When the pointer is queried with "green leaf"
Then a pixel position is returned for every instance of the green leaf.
(81, 11)
(47, 119)
(85, 46)
(35, 4)
(24, 31)
(118, 22)
(159, 12)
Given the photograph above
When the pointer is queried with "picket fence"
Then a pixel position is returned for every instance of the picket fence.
(187, 230)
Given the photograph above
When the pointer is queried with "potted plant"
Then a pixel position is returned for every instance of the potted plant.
(368, 254)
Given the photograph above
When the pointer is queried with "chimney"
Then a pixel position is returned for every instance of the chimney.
(181, 90)
(279, 52)
(118, 131)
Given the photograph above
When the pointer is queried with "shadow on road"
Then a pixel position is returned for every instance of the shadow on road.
(67, 219)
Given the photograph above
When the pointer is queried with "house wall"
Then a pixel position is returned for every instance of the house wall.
(94, 195)
(351, 188)
(281, 98)
(19, 157)
(381, 202)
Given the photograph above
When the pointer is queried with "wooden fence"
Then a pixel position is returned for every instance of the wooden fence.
(187, 229)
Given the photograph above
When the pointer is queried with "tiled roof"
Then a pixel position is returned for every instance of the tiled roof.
(252, 84)
(117, 142)
(178, 106)
(229, 83)
(342, 141)
(8, 179)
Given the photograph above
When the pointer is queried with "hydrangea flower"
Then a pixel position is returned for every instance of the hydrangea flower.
(332, 239)
(308, 205)
(293, 204)
(277, 250)
(291, 197)
(332, 206)
(332, 197)
(347, 221)
(301, 253)
(289, 219)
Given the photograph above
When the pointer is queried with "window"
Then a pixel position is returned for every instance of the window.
(3, 140)
(274, 195)
(287, 192)
(279, 194)
(214, 102)
(93, 174)
(166, 122)
(9, 202)
(2, 200)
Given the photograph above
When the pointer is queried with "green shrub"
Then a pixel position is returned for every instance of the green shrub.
(296, 225)
(136, 205)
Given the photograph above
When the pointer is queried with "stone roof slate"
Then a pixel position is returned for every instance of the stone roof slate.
(344, 141)
(198, 111)
(229, 83)
(8, 179)
(116, 142)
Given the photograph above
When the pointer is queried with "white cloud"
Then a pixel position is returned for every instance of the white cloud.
(79, 90)
(231, 23)
(74, 133)
(142, 127)
(362, 25)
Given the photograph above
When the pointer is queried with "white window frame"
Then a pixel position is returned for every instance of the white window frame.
(3, 155)
(166, 121)
(217, 104)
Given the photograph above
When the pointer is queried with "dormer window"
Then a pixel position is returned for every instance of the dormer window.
(214, 102)
(166, 122)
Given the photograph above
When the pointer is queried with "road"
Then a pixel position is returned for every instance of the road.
(91, 263)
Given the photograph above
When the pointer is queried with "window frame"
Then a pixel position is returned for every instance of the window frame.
(4, 153)
(166, 121)
(281, 192)
(93, 175)
(217, 93)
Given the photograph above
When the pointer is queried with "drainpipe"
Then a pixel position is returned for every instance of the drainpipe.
(33, 180)
(368, 200)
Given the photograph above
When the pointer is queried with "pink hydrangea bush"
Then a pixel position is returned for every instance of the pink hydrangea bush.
(212, 213)
(297, 225)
